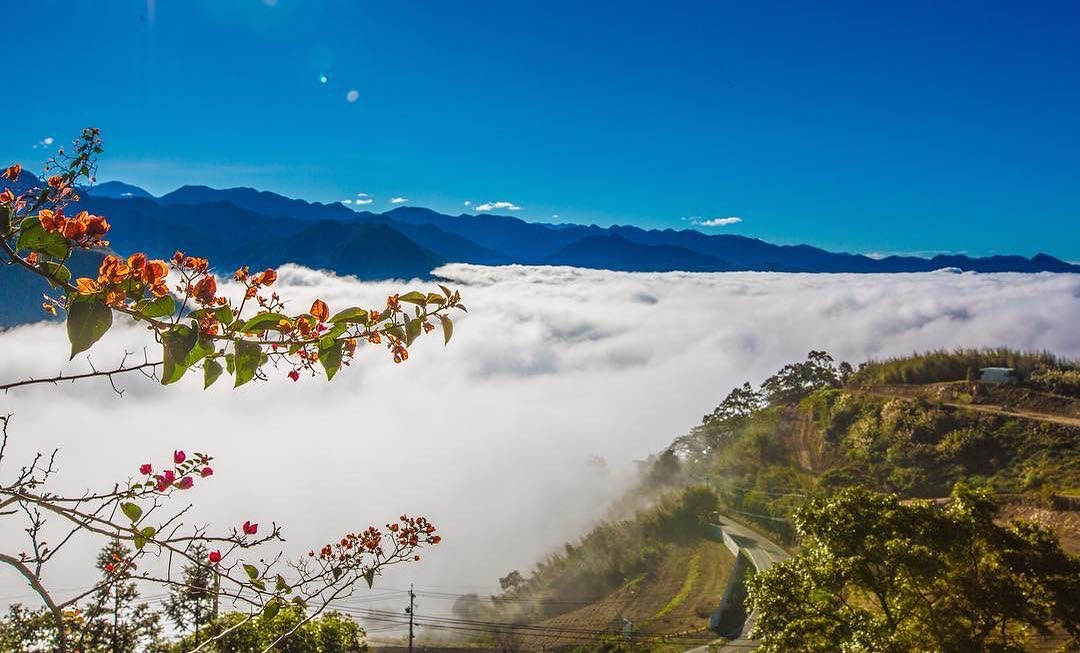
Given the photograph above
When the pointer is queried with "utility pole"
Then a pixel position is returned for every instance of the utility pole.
(410, 610)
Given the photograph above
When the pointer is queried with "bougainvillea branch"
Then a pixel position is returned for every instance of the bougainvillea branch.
(203, 330)
(196, 328)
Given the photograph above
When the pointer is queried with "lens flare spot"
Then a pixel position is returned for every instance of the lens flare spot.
(352, 96)
(323, 79)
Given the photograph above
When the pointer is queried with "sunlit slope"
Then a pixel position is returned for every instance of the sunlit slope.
(674, 600)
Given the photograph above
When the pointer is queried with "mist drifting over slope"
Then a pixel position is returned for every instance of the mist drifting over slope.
(495, 437)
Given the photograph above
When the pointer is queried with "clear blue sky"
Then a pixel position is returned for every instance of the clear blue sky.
(873, 127)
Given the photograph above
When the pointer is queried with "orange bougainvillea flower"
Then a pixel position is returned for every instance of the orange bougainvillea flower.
(115, 297)
(205, 290)
(320, 311)
(12, 172)
(57, 181)
(137, 262)
(7, 197)
(32, 258)
(113, 270)
(51, 220)
(87, 286)
(195, 263)
(153, 275)
(73, 229)
(265, 278)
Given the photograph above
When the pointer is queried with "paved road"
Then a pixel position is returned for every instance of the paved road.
(762, 554)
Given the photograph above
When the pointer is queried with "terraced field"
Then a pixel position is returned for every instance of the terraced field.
(672, 604)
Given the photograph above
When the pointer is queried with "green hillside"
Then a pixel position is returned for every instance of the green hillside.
(914, 427)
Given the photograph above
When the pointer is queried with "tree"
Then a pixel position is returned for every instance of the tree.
(511, 580)
(199, 331)
(740, 402)
(31, 631)
(796, 380)
(875, 574)
(118, 623)
(191, 603)
(332, 632)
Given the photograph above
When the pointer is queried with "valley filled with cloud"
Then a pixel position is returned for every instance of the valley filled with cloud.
(497, 436)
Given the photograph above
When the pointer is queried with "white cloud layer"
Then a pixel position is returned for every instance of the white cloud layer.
(492, 436)
(716, 222)
(497, 206)
(399, 200)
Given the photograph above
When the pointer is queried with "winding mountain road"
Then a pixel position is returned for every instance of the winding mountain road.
(762, 553)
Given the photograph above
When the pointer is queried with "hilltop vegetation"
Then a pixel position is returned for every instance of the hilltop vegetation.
(821, 442)
(816, 427)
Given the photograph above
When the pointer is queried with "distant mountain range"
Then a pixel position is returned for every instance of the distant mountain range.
(235, 226)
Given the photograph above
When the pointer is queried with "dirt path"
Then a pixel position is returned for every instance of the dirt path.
(993, 410)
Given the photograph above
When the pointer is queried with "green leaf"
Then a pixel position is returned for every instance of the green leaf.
(446, 291)
(412, 330)
(247, 361)
(352, 314)
(281, 585)
(337, 572)
(131, 511)
(396, 331)
(203, 347)
(58, 274)
(86, 323)
(447, 328)
(272, 608)
(369, 576)
(141, 537)
(330, 357)
(414, 297)
(335, 332)
(224, 315)
(176, 343)
(211, 371)
(435, 298)
(157, 307)
(262, 322)
(32, 236)
(252, 571)
(5, 219)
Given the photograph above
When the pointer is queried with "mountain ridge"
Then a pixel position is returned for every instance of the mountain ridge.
(239, 214)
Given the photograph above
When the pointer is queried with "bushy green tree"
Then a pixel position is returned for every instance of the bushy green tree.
(331, 632)
(879, 575)
(796, 380)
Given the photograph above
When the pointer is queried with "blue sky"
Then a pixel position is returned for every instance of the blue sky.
(873, 127)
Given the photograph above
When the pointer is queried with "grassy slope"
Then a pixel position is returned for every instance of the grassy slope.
(676, 598)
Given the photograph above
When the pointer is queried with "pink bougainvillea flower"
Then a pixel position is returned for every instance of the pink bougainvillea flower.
(165, 480)
(249, 528)
(294, 375)
(206, 471)
(146, 468)
(179, 457)
(185, 483)
(215, 557)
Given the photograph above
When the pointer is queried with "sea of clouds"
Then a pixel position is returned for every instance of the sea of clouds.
(496, 437)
